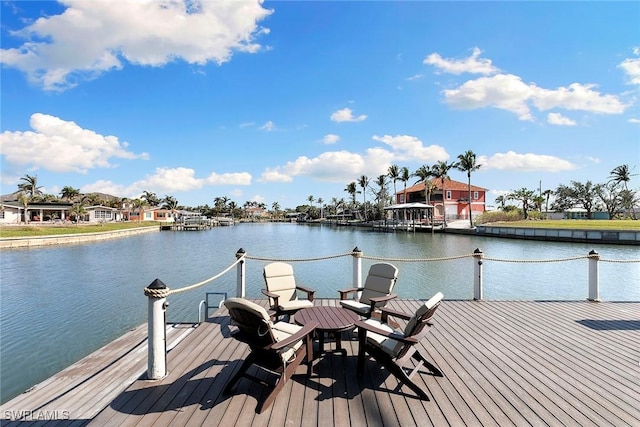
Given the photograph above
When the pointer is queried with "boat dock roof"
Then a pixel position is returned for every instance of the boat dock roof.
(504, 363)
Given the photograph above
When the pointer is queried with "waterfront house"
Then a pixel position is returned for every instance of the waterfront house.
(12, 212)
(99, 213)
(454, 203)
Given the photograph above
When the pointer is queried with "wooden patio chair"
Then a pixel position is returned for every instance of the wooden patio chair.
(376, 291)
(394, 348)
(282, 290)
(276, 348)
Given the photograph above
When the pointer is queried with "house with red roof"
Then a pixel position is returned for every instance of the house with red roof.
(454, 202)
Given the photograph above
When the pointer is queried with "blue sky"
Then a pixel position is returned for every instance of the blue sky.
(279, 101)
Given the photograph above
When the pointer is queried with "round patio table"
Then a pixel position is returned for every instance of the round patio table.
(331, 321)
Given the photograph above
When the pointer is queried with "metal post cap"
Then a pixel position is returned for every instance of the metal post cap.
(157, 284)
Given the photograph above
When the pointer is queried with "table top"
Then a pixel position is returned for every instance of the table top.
(328, 318)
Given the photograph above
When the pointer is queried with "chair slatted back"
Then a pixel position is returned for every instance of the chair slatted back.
(252, 320)
(379, 282)
(279, 279)
(416, 326)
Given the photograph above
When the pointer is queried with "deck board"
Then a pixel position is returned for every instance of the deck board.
(504, 363)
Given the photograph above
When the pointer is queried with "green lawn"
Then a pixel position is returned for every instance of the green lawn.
(594, 224)
(53, 229)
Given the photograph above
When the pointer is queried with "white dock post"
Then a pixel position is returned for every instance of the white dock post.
(157, 331)
(241, 281)
(594, 279)
(477, 274)
(357, 267)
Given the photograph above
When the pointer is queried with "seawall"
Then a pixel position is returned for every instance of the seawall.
(63, 239)
(622, 237)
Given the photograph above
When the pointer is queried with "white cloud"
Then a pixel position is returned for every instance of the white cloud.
(330, 138)
(631, 66)
(415, 77)
(560, 120)
(634, 120)
(528, 162)
(577, 97)
(344, 166)
(472, 64)
(346, 115)
(503, 91)
(268, 126)
(168, 181)
(410, 148)
(509, 92)
(237, 178)
(275, 175)
(93, 37)
(331, 166)
(62, 146)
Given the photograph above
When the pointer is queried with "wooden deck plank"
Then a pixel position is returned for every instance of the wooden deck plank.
(504, 363)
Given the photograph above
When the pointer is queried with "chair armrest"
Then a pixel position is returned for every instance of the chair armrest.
(309, 292)
(386, 312)
(271, 295)
(343, 293)
(393, 335)
(307, 329)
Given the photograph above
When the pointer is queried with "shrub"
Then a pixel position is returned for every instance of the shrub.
(499, 216)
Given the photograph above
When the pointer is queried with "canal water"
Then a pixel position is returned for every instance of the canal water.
(59, 304)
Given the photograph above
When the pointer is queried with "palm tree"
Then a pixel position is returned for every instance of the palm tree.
(352, 190)
(151, 198)
(320, 203)
(170, 203)
(232, 208)
(24, 201)
(501, 201)
(546, 194)
(622, 174)
(276, 207)
(441, 171)
(363, 181)
(30, 185)
(69, 193)
(138, 205)
(424, 173)
(394, 174)
(78, 211)
(381, 195)
(467, 163)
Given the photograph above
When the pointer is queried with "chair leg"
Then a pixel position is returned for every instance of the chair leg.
(404, 378)
(243, 368)
(432, 368)
(282, 380)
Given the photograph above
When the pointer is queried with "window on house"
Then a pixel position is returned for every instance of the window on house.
(475, 195)
(448, 195)
(1, 214)
(103, 214)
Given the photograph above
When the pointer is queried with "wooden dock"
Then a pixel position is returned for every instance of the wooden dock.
(504, 363)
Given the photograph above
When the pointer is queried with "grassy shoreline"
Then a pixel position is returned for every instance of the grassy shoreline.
(41, 230)
(573, 224)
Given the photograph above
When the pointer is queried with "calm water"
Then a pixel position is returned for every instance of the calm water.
(59, 304)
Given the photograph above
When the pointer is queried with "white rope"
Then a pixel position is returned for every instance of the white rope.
(163, 293)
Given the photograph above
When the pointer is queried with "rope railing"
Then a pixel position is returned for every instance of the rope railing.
(163, 293)
(449, 258)
(157, 292)
(322, 258)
